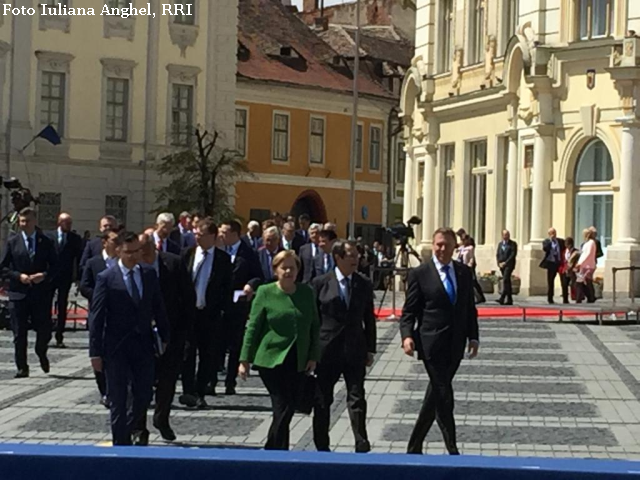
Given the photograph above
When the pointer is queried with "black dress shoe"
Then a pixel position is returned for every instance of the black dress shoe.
(141, 438)
(230, 391)
(44, 364)
(210, 390)
(166, 433)
(188, 400)
(501, 301)
(363, 447)
(201, 404)
(454, 451)
(22, 373)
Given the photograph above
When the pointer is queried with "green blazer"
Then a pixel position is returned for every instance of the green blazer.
(277, 322)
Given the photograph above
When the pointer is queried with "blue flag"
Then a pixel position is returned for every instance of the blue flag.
(49, 133)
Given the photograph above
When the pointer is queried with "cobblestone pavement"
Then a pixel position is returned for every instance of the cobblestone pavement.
(538, 389)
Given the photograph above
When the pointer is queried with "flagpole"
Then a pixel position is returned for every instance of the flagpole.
(27, 145)
(354, 129)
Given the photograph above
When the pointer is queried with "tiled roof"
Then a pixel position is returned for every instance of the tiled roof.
(275, 45)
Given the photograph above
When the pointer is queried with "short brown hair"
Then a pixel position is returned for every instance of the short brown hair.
(207, 225)
(282, 256)
(445, 232)
(27, 212)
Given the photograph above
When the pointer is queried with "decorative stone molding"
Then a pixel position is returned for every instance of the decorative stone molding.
(456, 72)
(491, 49)
(183, 73)
(54, 61)
(183, 36)
(118, 27)
(589, 116)
(54, 22)
(117, 67)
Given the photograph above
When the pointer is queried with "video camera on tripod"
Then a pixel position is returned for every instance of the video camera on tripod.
(401, 232)
(21, 197)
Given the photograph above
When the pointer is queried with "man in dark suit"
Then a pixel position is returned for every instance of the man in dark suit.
(173, 287)
(290, 238)
(164, 225)
(347, 342)
(93, 248)
(270, 248)
(209, 294)
(182, 235)
(553, 248)
(30, 260)
(68, 247)
(95, 266)
(127, 303)
(308, 253)
(247, 276)
(438, 318)
(253, 238)
(304, 221)
(324, 259)
(506, 258)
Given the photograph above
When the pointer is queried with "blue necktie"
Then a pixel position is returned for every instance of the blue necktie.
(32, 253)
(448, 284)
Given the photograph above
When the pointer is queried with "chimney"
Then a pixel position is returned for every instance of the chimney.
(310, 5)
(322, 23)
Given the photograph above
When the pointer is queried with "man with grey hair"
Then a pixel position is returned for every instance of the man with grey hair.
(253, 237)
(308, 253)
(330, 226)
(164, 225)
(271, 247)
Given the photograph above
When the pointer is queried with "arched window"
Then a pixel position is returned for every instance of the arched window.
(594, 196)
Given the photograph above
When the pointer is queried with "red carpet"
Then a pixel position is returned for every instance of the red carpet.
(506, 312)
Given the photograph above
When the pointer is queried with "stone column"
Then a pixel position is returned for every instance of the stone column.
(627, 226)
(512, 184)
(409, 185)
(543, 154)
(428, 194)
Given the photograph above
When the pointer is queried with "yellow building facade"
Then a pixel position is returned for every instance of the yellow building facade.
(522, 115)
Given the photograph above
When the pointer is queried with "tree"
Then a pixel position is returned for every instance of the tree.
(200, 177)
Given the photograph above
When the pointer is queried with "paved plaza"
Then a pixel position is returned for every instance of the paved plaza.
(538, 389)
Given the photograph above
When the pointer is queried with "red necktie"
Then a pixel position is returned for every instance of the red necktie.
(159, 245)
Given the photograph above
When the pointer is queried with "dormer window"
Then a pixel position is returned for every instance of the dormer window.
(285, 51)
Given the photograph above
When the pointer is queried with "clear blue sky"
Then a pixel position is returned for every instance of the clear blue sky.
(298, 3)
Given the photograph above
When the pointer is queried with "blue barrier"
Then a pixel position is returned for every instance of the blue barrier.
(40, 462)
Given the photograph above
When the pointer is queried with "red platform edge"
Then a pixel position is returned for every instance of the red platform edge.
(491, 312)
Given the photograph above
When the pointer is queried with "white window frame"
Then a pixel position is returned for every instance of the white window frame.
(245, 109)
(54, 62)
(610, 11)
(273, 137)
(195, 13)
(476, 32)
(380, 146)
(180, 75)
(324, 139)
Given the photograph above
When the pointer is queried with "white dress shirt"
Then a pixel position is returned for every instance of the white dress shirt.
(137, 275)
(108, 261)
(62, 236)
(202, 268)
(156, 239)
(344, 293)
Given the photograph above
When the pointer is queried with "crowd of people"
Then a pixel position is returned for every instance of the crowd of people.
(574, 266)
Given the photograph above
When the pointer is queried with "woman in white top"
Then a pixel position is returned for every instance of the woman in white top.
(585, 268)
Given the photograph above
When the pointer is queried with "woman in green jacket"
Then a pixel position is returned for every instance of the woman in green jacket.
(282, 341)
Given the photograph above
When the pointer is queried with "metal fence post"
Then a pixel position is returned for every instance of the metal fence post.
(614, 270)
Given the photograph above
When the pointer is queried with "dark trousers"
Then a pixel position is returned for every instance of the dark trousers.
(36, 312)
(168, 369)
(328, 374)
(567, 284)
(437, 405)
(201, 342)
(282, 383)
(552, 271)
(585, 290)
(507, 289)
(230, 339)
(61, 304)
(477, 289)
(132, 364)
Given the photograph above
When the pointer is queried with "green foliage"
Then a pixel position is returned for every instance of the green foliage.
(200, 177)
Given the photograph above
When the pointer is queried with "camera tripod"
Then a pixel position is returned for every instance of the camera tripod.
(403, 255)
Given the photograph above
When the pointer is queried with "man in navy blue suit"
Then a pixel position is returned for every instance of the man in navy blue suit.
(93, 248)
(126, 304)
(164, 225)
(324, 262)
(304, 221)
(270, 248)
(29, 259)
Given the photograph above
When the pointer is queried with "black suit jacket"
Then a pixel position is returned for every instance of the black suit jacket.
(173, 247)
(308, 261)
(508, 255)
(16, 261)
(548, 261)
(263, 257)
(246, 268)
(345, 332)
(249, 242)
(114, 316)
(440, 328)
(174, 282)
(68, 257)
(92, 269)
(304, 234)
(93, 248)
(319, 263)
(219, 296)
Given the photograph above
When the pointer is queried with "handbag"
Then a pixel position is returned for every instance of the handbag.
(307, 394)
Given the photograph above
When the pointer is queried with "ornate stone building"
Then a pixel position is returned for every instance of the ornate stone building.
(523, 114)
(121, 92)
